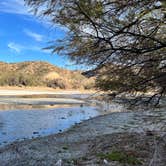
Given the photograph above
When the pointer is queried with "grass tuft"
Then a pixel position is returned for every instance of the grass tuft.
(120, 157)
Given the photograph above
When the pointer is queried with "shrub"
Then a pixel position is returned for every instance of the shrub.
(57, 83)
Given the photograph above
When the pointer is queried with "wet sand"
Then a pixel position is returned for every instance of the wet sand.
(137, 133)
(131, 132)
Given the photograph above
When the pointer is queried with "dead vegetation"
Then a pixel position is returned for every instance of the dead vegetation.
(42, 74)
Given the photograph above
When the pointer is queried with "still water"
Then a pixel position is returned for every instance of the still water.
(27, 117)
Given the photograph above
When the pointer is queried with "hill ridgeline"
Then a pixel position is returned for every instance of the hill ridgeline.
(38, 73)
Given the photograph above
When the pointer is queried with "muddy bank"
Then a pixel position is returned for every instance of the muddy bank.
(128, 138)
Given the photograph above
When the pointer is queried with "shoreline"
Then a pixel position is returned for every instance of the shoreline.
(16, 91)
(130, 133)
(76, 144)
(40, 88)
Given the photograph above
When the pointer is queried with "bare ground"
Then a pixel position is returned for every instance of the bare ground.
(91, 143)
(39, 91)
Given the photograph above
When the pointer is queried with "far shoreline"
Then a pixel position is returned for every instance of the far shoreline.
(14, 90)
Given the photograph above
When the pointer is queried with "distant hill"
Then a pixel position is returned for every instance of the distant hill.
(38, 73)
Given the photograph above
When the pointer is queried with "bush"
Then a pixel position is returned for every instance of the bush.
(57, 83)
(12, 79)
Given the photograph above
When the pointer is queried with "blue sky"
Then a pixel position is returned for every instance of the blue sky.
(23, 35)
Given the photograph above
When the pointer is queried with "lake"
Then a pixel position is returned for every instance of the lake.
(27, 117)
(30, 116)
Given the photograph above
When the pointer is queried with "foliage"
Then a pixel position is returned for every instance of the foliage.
(42, 74)
(121, 157)
(57, 83)
(18, 79)
(123, 41)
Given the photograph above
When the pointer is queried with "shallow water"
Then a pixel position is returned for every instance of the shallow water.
(22, 118)
(26, 117)
(19, 124)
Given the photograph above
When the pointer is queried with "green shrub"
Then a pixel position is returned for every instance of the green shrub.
(121, 157)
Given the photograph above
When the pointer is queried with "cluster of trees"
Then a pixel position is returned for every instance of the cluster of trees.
(124, 41)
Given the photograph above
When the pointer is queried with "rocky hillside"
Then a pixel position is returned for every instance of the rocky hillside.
(37, 73)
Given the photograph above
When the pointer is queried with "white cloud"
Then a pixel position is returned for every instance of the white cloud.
(15, 47)
(36, 36)
(14, 6)
(19, 7)
(19, 48)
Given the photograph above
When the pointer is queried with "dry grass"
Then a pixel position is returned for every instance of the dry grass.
(42, 74)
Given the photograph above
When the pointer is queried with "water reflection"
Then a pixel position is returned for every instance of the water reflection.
(21, 124)
(39, 115)
(22, 121)
(30, 106)
(27, 120)
(1, 122)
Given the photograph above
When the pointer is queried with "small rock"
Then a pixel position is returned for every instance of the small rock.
(105, 161)
(149, 133)
(35, 132)
(63, 118)
(59, 162)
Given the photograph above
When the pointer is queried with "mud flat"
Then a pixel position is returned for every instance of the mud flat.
(116, 139)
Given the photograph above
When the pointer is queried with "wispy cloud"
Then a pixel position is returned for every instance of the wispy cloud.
(19, 48)
(14, 6)
(36, 36)
(19, 7)
(15, 47)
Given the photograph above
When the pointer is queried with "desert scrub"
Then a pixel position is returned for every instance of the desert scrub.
(121, 157)
(42, 74)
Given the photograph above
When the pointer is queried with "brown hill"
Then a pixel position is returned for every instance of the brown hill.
(38, 73)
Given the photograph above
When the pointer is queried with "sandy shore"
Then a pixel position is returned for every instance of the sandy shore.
(132, 138)
(31, 96)
(82, 144)
(6, 91)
